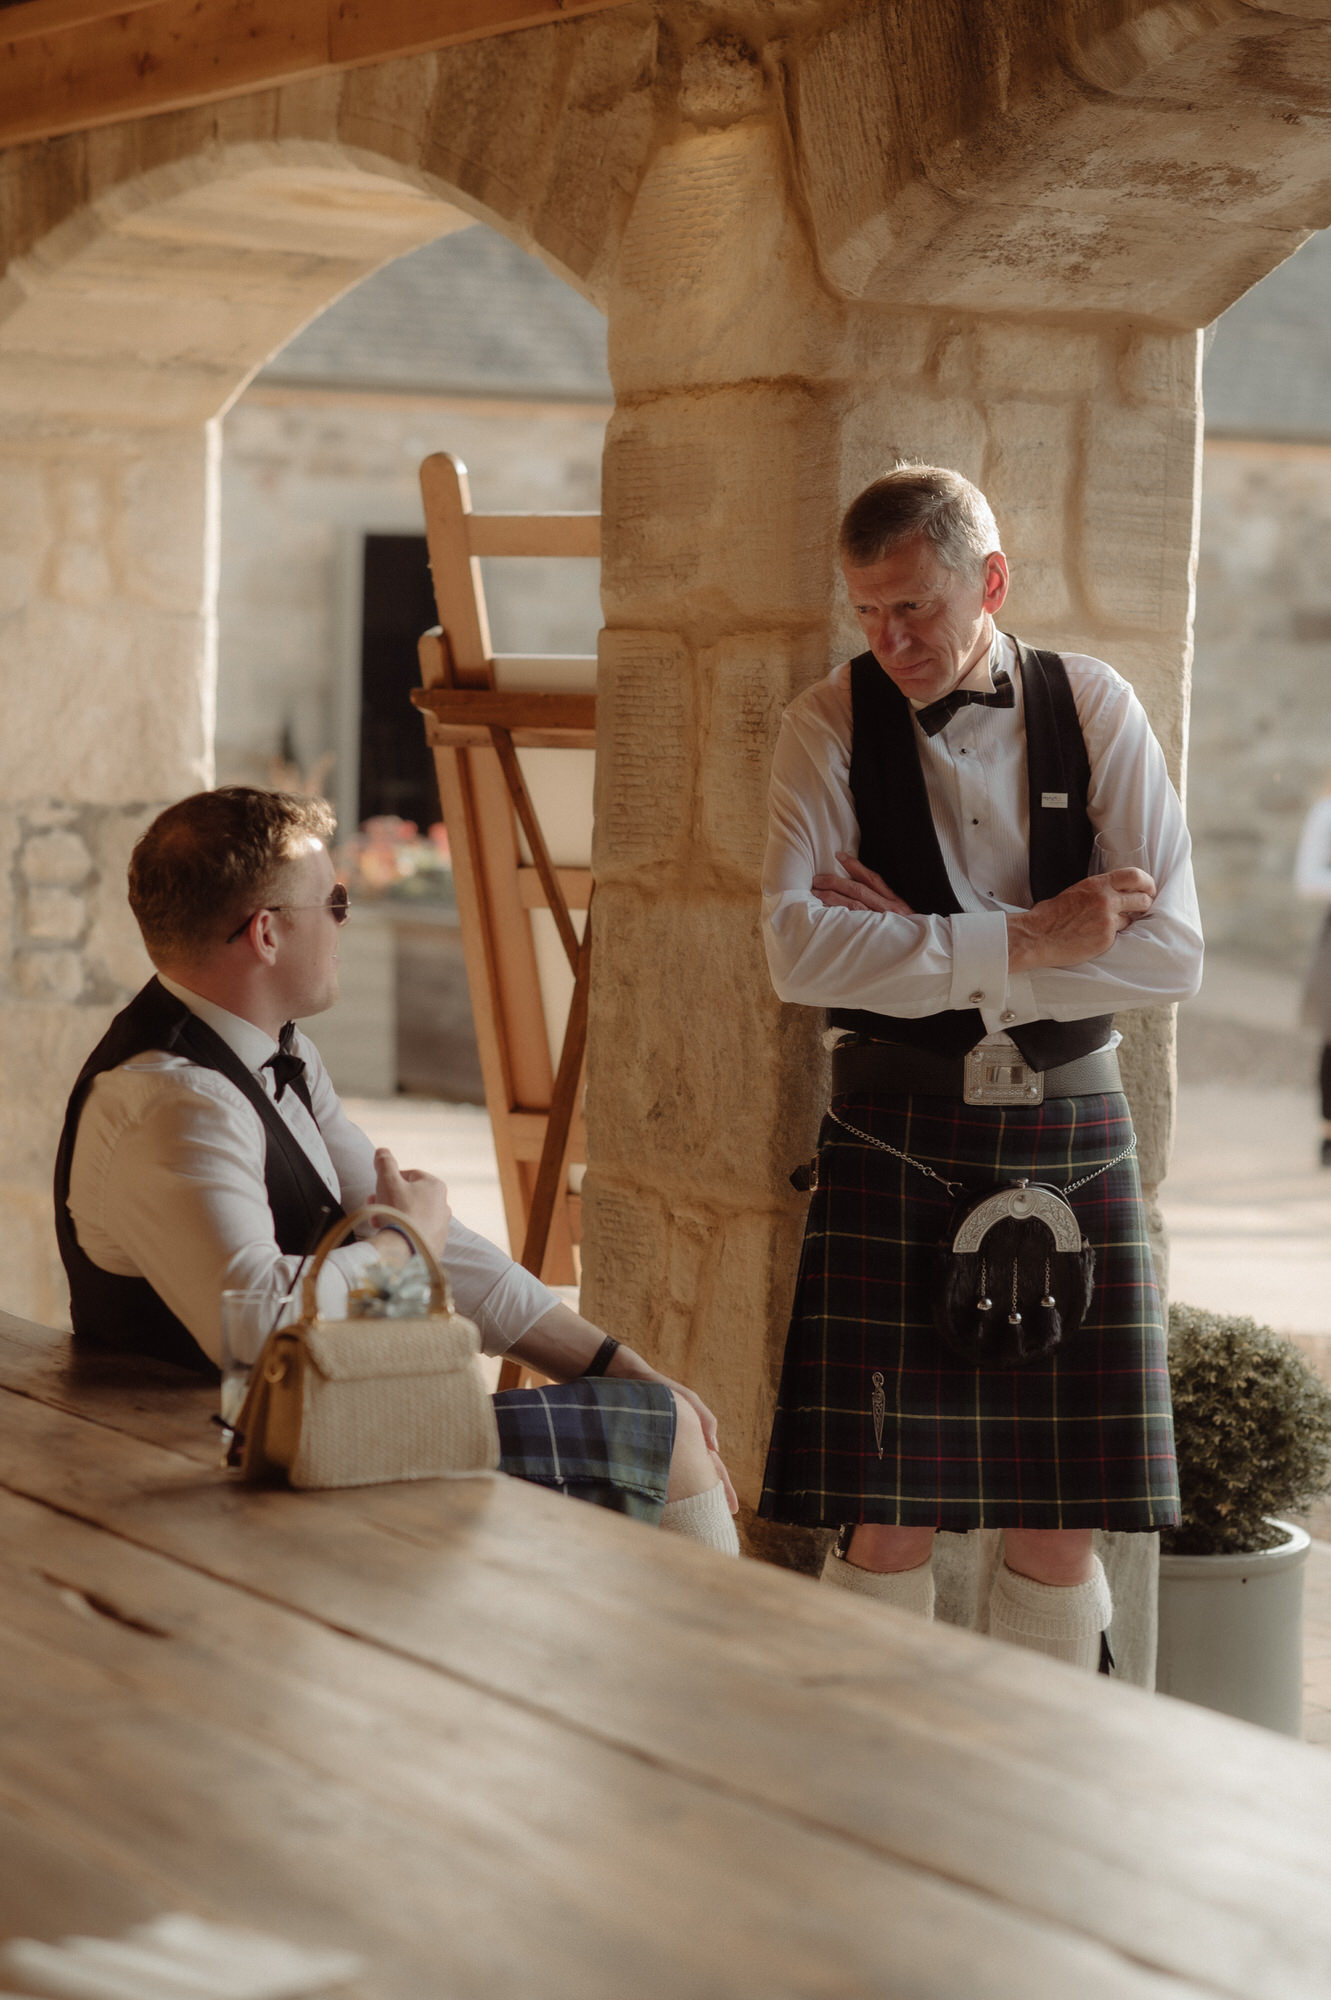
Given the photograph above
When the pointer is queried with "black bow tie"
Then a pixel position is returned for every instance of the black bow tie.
(287, 1067)
(939, 713)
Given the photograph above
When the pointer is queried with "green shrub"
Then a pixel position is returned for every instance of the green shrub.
(1252, 1423)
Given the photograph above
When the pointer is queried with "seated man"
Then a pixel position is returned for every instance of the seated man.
(205, 1149)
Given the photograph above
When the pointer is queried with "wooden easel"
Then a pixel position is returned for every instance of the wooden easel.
(476, 728)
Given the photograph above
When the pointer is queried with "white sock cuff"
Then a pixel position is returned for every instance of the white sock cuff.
(906, 1589)
(1052, 1610)
(703, 1517)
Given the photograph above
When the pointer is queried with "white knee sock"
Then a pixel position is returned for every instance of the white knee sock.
(906, 1589)
(1063, 1620)
(703, 1517)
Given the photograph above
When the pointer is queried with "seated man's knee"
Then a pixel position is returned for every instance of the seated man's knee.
(691, 1467)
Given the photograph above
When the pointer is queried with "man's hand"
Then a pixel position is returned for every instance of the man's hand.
(420, 1196)
(1080, 923)
(858, 889)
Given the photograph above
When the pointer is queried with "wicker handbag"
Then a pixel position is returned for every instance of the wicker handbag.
(361, 1402)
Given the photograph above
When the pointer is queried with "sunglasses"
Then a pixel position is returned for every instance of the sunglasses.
(338, 907)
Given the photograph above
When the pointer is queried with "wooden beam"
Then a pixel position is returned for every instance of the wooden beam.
(463, 717)
(540, 853)
(50, 17)
(70, 65)
(534, 534)
(552, 1174)
(527, 1134)
(575, 885)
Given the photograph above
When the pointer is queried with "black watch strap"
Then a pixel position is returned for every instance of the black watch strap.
(603, 1356)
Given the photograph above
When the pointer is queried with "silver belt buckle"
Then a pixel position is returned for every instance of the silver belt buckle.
(999, 1076)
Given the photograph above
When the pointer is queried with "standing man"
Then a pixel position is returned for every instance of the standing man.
(933, 808)
(204, 1148)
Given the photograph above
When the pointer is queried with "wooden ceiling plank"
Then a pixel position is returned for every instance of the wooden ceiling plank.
(54, 17)
(176, 53)
(360, 28)
(72, 65)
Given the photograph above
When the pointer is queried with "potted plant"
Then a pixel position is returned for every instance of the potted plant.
(1252, 1425)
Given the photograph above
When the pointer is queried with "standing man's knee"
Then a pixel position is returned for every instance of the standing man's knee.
(889, 1551)
(1050, 1555)
(891, 1565)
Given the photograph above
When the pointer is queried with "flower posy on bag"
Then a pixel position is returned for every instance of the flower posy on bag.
(362, 1402)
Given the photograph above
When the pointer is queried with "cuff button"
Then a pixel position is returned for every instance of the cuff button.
(976, 998)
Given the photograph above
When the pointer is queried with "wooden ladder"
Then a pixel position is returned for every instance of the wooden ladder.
(476, 726)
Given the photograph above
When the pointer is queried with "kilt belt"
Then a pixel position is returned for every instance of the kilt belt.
(984, 1076)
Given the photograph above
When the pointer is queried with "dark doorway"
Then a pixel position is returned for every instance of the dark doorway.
(396, 769)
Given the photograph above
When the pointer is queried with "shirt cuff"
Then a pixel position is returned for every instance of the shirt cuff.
(979, 965)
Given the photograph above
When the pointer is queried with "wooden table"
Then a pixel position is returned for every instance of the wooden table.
(504, 1745)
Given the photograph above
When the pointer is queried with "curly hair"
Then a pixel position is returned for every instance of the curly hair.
(929, 500)
(209, 860)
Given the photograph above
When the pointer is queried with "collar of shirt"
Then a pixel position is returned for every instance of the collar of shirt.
(251, 1044)
(980, 679)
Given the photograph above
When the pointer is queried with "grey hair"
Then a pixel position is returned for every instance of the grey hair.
(930, 500)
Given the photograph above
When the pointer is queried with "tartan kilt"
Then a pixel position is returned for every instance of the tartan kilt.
(1081, 1439)
(607, 1442)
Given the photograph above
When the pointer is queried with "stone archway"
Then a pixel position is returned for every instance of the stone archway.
(983, 233)
(129, 329)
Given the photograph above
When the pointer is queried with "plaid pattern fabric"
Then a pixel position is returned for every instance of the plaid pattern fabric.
(1082, 1439)
(607, 1442)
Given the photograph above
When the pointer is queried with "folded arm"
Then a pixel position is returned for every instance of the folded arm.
(830, 944)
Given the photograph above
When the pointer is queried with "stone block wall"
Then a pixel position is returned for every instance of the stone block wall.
(1261, 718)
(107, 644)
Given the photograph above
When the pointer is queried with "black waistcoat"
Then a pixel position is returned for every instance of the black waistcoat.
(898, 839)
(110, 1311)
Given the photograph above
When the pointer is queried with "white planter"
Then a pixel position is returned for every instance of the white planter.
(1231, 1632)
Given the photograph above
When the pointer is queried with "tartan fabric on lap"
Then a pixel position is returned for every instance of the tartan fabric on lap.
(1081, 1439)
(604, 1441)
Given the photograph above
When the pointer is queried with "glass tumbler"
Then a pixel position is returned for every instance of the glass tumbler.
(247, 1320)
(1117, 847)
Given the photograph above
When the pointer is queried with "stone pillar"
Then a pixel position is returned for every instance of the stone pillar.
(749, 412)
(720, 482)
(107, 552)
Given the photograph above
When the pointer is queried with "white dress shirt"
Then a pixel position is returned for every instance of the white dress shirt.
(167, 1184)
(975, 776)
(1312, 867)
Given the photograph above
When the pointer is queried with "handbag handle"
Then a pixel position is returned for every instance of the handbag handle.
(441, 1294)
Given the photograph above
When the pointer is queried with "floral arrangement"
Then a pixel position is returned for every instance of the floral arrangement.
(391, 1293)
(390, 857)
(1252, 1425)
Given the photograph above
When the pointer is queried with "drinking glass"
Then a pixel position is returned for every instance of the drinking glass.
(1117, 847)
(247, 1320)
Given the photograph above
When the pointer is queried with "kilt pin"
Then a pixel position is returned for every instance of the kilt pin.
(877, 1421)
